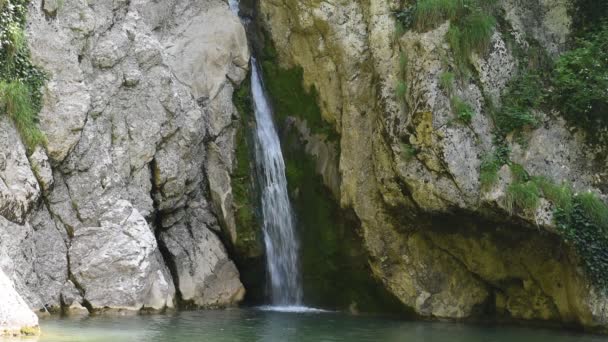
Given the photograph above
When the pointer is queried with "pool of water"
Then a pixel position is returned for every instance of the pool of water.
(268, 325)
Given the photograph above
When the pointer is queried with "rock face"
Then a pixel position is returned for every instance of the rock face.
(118, 265)
(139, 98)
(438, 241)
(15, 316)
(206, 276)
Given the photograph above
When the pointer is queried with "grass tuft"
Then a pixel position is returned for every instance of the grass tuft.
(595, 209)
(464, 112)
(429, 13)
(16, 101)
(446, 81)
(525, 196)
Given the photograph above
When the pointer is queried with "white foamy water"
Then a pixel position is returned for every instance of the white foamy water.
(234, 6)
(290, 309)
(279, 230)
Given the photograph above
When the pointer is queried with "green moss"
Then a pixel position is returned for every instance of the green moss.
(334, 264)
(407, 151)
(248, 249)
(401, 90)
(290, 97)
(30, 331)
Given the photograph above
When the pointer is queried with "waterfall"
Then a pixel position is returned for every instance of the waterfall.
(279, 230)
(278, 223)
(234, 6)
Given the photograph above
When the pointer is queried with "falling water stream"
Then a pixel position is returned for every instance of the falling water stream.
(279, 233)
(278, 223)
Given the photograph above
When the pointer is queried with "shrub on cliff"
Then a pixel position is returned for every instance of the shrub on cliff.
(20, 80)
(580, 81)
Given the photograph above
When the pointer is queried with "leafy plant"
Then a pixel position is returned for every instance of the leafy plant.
(464, 112)
(523, 94)
(580, 229)
(580, 82)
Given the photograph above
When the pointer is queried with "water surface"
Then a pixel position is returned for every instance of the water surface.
(266, 325)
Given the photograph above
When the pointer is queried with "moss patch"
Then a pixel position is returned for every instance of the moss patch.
(334, 264)
(289, 95)
(248, 249)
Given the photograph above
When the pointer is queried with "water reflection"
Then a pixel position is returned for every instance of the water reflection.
(269, 326)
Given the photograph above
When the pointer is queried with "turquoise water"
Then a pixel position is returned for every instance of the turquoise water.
(258, 325)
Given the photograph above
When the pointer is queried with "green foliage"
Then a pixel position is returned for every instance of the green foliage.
(446, 81)
(580, 229)
(405, 20)
(587, 16)
(20, 80)
(249, 242)
(580, 82)
(581, 219)
(595, 209)
(471, 34)
(464, 112)
(523, 93)
(429, 13)
(471, 28)
(334, 266)
(491, 164)
(523, 195)
(559, 195)
(16, 102)
(519, 173)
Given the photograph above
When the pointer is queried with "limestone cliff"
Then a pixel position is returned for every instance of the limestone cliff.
(411, 163)
(127, 204)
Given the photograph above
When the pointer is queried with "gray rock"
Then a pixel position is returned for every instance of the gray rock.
(19, 189)
(118, 265)
(42, 169)
(205, 275)
(15, 316)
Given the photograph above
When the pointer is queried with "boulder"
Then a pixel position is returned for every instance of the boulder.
(205, 275)
(118, 265)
